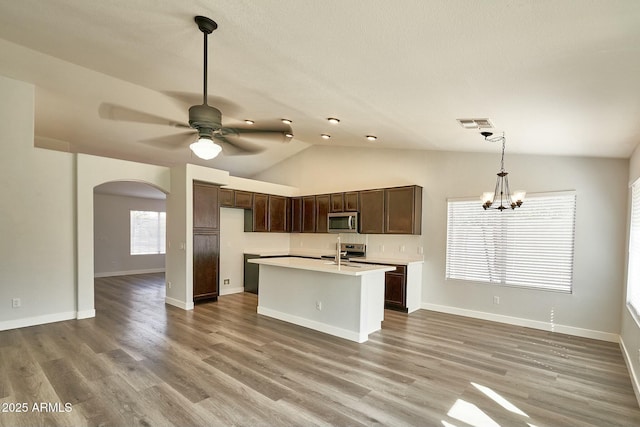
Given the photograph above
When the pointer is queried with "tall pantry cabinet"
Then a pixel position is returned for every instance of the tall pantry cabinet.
(206, 241)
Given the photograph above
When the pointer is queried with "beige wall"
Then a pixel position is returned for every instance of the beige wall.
(37, 218)
(593, 309)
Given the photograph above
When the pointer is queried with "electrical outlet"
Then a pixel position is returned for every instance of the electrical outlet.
(381, 248)
(496, 300)
(402, 248)
(16, 303)
(318, 305)
(226, 281)
(420, 250)
(169, 284)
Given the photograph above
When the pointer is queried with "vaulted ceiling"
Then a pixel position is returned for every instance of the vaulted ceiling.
(558, 77)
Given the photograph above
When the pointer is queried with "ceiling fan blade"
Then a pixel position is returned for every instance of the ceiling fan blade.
(234, 146)
(172, 142)
(120, 113)
(226, 106)
(265, 134)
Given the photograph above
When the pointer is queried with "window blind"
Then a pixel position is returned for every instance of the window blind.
(148, 232)
(531, 246)
(633, 276)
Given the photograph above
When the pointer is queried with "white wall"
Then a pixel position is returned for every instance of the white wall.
(112, 240)
(594, 307)
(233, 244)
(630, 329)
(37, 217)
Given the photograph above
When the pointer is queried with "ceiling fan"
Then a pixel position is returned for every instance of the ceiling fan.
(206, 122)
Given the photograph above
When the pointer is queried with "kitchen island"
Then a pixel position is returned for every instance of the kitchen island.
(346, 301)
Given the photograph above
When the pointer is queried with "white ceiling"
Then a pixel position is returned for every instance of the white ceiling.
(559, 77)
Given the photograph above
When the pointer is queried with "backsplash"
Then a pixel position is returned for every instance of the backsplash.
(378, 245)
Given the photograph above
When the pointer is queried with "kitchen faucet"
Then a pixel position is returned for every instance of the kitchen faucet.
(338, 253)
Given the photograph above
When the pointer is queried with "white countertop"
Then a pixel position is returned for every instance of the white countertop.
(317, 253)
(321, 265)
(385, 260)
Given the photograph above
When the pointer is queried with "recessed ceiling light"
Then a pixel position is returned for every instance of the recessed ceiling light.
(288, 135)
(249, 122)
(333, 120)
(371, 137)
(325, 136)
(286, 121)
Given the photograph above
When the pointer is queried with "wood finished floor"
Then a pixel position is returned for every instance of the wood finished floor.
(140, 362)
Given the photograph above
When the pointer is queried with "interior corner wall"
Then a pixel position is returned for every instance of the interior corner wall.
(37, 215)
(112, 236)
(592, 310)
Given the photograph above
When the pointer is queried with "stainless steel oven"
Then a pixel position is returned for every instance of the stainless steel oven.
(343, 222)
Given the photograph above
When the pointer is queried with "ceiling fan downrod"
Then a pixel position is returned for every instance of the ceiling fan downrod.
(207, 26)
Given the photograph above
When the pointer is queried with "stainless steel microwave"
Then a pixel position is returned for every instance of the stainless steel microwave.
(343, 222)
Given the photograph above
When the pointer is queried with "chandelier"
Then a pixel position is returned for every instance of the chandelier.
(501, 197)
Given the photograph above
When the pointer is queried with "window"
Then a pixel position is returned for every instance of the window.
(531, 246)
(633, 276)
(148, 232)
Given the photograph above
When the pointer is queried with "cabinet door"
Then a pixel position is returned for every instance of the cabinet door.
(278, 214)
(296, 215)
(337, 202)
(403, 210)
(351, 201)
(260, 212)
(309, 214)
(394, 290)
(205, 206)
(226, 197)
(243, 199)
(206, 253)
(322, 213)
(372, 211)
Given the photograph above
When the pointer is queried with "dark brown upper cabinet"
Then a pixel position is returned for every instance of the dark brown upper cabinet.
(337, 202)
(243, 199)
(278, 217)
(403, 210)
(296, 215)
(205, 206)
(260, 212)
(372, 211)
(226, 197)
(351, 201)
(309, 214)
(322, 213)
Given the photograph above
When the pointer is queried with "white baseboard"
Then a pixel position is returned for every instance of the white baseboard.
(635, 381)
(129, 272)
(37, 320)
(535, 324)
(312, 324)
(177, 303)
(85, 314)
(228, 291)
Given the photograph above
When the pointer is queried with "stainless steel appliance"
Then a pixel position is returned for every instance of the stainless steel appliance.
(343, 222)
(349, 250)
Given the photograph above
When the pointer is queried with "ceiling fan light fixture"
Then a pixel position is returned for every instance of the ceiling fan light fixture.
(205, 148)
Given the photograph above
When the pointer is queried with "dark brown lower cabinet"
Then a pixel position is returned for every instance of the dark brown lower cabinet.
(206, 257)
(395, 289)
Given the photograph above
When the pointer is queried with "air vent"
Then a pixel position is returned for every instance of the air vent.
(475, 123)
